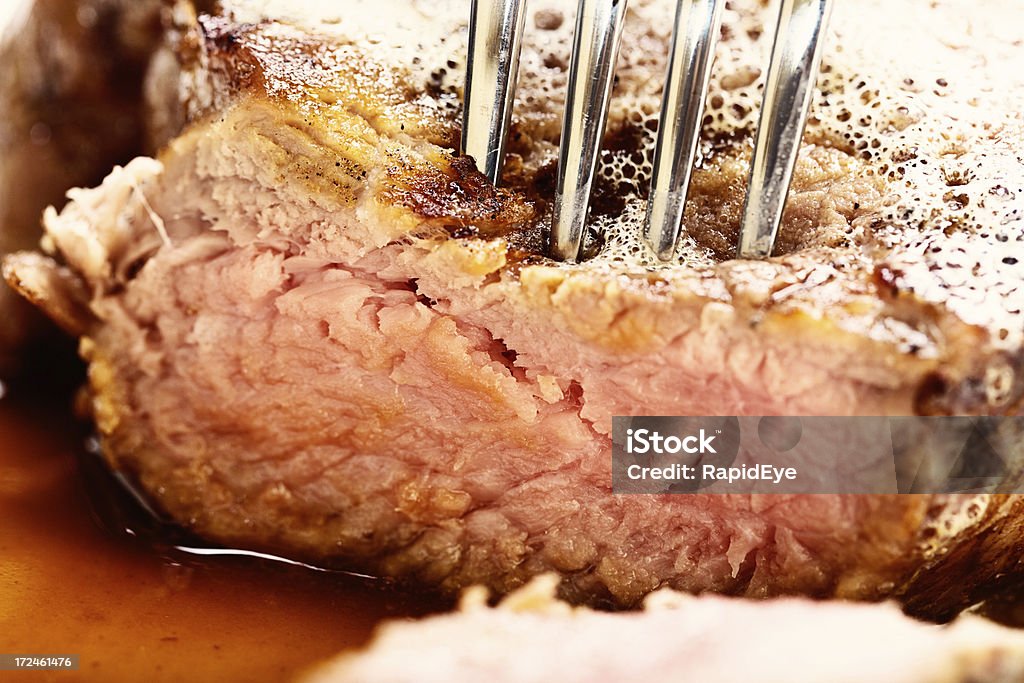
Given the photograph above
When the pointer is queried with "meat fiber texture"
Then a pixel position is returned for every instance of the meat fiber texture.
(71, 74)
(681, 639)
(313, 329)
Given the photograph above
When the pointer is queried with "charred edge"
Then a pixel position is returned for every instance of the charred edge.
(937, 395)
(461, 200)
(887, 282)
(226, 40)
(932, 396)
(944, 588)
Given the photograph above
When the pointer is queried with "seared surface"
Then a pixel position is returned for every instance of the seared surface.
(313, 329)
(678, 639)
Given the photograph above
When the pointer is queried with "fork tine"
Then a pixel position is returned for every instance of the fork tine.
(495, 39)
(686, 89)
(591, 71)
(796, 56)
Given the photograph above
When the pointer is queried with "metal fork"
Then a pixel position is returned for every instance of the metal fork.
(495, 37)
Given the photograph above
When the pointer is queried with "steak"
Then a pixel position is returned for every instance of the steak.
(678, 639)
(314, 329)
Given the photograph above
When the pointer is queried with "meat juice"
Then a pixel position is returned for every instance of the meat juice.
(81, 573)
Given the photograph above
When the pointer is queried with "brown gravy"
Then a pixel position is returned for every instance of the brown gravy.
(138, 610)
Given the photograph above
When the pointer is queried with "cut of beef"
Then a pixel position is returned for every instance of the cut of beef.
(71, 100)
(313, 329)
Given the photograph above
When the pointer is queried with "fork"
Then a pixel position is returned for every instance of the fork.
(495, 39)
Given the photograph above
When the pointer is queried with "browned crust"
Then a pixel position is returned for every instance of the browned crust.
(486, 211)
(985, 562)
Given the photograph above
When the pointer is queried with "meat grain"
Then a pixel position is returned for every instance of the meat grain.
(71, 101)
(313, 329)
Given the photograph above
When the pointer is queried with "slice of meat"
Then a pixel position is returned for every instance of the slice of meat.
(70, 107)
(313, 329)
(531, 636)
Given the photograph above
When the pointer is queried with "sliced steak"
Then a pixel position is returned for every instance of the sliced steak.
(679, 639)
(313, 329)
(71, 76)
